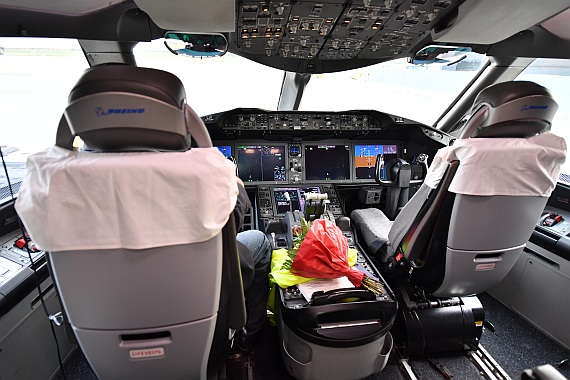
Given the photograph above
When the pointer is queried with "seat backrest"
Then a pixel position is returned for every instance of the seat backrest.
(141, 236)
(465, 228)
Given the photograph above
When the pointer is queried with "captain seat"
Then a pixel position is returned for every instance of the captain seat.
(467, 224)
(139, 228)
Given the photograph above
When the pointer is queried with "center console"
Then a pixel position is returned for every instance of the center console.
(274, 201)
(339, 323)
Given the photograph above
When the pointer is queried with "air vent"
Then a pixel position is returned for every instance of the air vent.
(5, 191)
(565, 178)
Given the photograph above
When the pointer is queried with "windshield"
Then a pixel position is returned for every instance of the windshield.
(216, 84)
(36, 76)
(416, 92)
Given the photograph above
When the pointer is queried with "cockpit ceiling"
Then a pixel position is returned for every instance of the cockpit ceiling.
(63, 7)
(299, 36)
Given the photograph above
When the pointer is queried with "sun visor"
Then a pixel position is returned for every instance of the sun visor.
(196, 16)
(490, 21)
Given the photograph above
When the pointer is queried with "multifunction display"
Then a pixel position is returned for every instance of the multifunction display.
(262, 163)
(365, 157)
(303, 162)
(326, 162)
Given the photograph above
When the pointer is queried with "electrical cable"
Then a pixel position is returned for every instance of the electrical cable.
(33, 267)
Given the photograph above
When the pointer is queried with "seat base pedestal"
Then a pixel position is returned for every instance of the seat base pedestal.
(432, 325)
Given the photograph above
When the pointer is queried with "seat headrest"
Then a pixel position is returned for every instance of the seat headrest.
(117, 107)
(511, 109)
(156, 84)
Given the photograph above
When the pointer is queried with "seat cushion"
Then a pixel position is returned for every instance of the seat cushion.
(372, 224)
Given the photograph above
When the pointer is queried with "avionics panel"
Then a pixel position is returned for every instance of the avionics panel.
(262, 163)
(327, 162)
(226, 149)
(365, 156)
(291, 198)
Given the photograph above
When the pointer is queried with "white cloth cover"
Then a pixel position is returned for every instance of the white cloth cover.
(79, 200)
(502, 166)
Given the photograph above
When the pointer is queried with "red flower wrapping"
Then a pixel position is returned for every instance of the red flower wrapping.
(324, 254)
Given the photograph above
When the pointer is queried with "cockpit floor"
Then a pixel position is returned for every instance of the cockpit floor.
(514, 344)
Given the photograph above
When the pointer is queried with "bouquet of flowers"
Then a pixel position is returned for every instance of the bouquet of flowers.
(320, 250)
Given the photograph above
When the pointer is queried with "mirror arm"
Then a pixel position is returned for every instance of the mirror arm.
(169, 49)
(459, 60)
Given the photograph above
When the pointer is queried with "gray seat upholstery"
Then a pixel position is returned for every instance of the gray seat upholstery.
(456, 243)
(160, 312)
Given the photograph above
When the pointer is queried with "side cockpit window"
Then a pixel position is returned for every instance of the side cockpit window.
(36, 76)
(554, 74)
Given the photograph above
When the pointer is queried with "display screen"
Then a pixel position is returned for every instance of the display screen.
(263, 163)
(294, 200)
(327, 162)
(226, 150)
(286, 199)
(365, 159)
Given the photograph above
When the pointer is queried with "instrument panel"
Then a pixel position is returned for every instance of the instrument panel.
(302, 121)
(253, 124)
(328, 161)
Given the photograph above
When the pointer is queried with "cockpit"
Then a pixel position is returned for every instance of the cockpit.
(417, 144)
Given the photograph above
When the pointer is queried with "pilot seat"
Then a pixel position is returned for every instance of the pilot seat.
(467, 224)
(139, 228)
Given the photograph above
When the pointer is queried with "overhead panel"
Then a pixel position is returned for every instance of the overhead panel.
(309, 26)
(411, 21)
(335, 29)
(358, 24)
(260, 26)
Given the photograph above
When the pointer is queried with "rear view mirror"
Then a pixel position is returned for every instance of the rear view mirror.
(196, 45)
(447, 55)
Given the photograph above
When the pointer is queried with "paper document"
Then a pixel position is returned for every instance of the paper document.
(323, 284)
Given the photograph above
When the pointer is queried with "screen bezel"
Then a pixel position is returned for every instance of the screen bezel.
(398, 144)
(264, 143)
(328, 142)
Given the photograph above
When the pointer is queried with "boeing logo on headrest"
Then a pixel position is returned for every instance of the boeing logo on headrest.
(526, 108)
(115, 111)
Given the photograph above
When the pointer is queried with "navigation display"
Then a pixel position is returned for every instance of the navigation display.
(226, 150)
(327, 162)
(365, 159)
(261, 163)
